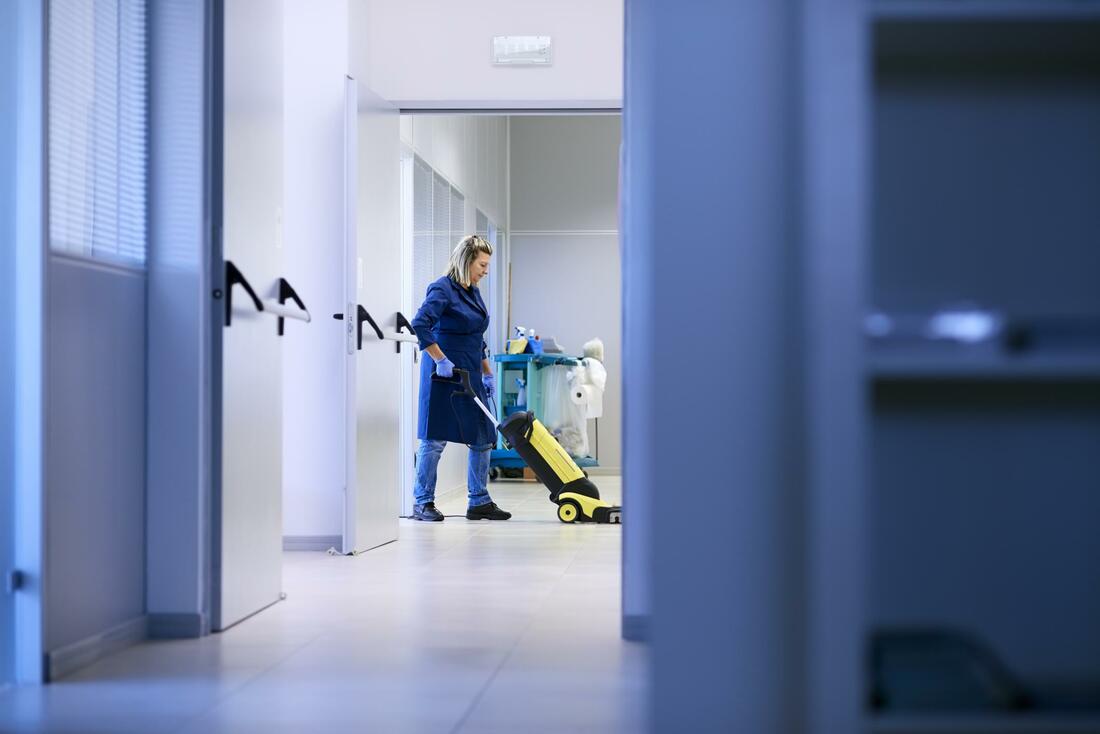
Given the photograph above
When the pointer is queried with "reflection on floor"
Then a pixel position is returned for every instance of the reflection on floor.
(459, 627)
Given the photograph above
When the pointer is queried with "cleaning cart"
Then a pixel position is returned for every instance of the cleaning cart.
(520, 379)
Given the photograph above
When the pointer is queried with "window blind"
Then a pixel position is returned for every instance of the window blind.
(424, 271)
(489, 284)
(439, 222)
(98, 128)
(458, 217)
(441, 225)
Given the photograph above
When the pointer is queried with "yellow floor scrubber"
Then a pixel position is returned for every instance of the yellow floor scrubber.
(578, 499)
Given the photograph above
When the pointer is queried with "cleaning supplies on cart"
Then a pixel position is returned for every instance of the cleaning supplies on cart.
(588, 380)
(593, 349)
(521, 396)
(560, 415)
(518, 343)
(525, 341)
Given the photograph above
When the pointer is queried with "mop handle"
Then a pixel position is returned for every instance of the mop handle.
(467, 389)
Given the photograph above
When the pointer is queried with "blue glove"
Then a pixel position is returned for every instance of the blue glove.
(490, 385)
(445, 368)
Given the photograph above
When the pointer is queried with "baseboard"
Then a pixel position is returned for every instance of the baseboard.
(604, 471)
(312, 542)
(70, 658)
(177, 626)
(636, 627)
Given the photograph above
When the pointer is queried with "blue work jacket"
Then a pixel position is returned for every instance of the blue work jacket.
(456, 319)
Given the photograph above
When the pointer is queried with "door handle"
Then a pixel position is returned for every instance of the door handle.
(233, 276)
(403, 323)
(361, 315)
(286, 290)
(364, 316)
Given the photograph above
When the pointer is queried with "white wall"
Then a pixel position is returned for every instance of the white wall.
(436, 53)
(565, 173)
(566, 267)
(472, 152)
(28, 332)
(95, 494)
(469, 150)
(315, 64)
(179, 331)
(8, 96)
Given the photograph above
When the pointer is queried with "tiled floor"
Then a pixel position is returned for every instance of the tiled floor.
(459, 627)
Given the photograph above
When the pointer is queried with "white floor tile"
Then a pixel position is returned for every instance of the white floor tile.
(471, 627)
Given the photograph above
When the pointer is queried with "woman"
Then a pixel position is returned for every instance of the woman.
(450, 327)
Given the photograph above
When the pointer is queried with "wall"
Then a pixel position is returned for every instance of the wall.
(727, 603)
(95, 492)
(565, 241)
(315, 64)
(179, 407)
(95, 418)
(28, 329)
(472, 152)
(435, 53)
(8, 28)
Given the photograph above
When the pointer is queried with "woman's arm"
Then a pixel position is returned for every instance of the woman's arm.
(435, 352)
(426, 320)
(486, 368)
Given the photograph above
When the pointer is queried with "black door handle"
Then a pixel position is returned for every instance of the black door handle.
(286, 290)
(233, 276)
(361, 316)
(403, 323)
(364, 316)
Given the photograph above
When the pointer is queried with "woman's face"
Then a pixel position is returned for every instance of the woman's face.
(479, 268)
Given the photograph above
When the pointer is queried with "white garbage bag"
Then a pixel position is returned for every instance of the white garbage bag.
(561, 416)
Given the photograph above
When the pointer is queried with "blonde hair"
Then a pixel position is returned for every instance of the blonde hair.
(464, 255)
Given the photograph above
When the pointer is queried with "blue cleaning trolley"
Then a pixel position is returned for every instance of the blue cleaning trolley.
(527, 367)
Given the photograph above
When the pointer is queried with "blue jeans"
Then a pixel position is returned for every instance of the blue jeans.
(477, 472)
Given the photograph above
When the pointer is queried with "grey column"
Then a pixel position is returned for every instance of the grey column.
(712, 342)
(179, 292)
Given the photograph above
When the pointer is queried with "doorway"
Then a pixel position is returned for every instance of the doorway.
(543, 188)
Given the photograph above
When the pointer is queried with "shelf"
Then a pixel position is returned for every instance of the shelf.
(902, 364)
(987, 723)
(542, 360)
(985, 9)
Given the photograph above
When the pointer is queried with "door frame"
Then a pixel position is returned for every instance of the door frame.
(503, 245)
(407, 441)
(29, 354)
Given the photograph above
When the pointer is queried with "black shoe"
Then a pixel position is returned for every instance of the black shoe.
(427, 512)
(488, 511)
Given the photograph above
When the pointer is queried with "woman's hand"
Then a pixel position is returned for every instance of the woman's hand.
(444, 367)
(490, 385)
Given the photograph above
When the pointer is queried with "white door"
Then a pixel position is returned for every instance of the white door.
(7, 530)
(410, 354)
(373, 287)
(248, 504)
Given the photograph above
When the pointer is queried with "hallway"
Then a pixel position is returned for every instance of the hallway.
(460, 627)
